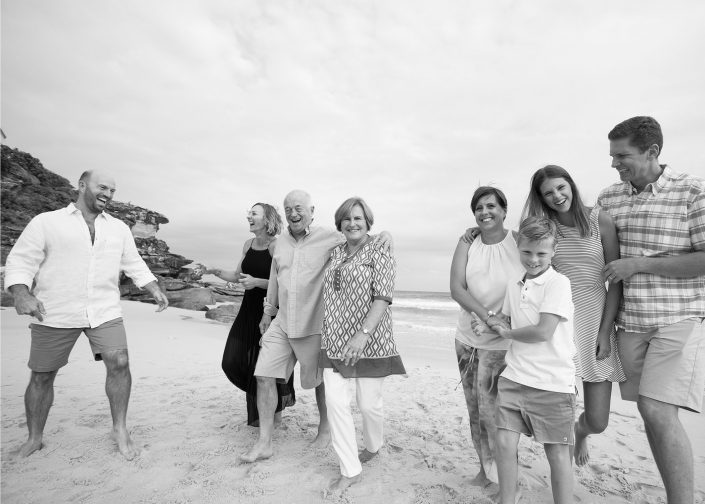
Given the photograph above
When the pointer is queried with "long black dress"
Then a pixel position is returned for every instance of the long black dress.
(242, 347)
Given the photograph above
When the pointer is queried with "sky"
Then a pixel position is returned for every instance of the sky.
(202, 108)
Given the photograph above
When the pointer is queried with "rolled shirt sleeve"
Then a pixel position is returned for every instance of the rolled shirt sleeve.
(26, 255)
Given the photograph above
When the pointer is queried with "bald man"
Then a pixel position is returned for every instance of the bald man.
(64, 271)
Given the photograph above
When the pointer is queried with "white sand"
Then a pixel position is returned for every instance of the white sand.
(190, 423)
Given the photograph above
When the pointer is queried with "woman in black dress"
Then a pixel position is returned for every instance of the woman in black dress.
(242, 346)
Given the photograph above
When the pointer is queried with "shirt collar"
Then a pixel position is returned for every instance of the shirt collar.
(539, 280)
(71, 209)
(307, 232)
(656, 186)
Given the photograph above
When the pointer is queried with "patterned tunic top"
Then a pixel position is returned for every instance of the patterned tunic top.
(350, 285)
(581, 260)
(666, 219)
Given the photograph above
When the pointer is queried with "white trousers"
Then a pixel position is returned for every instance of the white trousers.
(342, 427)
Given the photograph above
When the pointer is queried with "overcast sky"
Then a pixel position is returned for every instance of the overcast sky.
(202, 108)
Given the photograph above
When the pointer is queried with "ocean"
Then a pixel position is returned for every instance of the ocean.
(424, 329)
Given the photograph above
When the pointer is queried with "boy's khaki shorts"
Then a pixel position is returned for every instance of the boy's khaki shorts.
(546, 415)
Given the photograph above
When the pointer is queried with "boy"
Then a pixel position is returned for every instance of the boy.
(537, 388)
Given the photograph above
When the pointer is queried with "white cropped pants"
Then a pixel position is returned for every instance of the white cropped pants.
(342, 427)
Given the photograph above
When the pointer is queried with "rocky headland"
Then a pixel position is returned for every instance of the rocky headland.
(28, 189)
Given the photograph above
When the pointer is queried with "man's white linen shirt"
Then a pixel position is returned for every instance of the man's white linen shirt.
(77, 281)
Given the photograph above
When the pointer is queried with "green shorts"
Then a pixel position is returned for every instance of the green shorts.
(51, 346)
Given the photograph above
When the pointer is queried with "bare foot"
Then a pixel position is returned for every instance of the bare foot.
(366, 456)
(125, 444)
(339, 485)
(29, 447)
(322, 439)
(496, 498)
(260, 451)
(581, 450)
(481, 479)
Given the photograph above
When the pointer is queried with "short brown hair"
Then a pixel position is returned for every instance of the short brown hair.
(345, 210)
(536, 229)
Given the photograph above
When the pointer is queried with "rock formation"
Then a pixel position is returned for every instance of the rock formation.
(27, 189)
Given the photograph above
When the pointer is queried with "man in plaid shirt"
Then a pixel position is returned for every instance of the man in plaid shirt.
(660, 220)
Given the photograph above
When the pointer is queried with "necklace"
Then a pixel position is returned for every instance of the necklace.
(351, 250)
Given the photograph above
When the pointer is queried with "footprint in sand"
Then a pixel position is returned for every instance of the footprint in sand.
(394, 448)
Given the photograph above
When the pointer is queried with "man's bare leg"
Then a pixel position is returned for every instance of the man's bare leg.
(118, 383)
(266, 405)
(38, 399)
(671, 449)
(323, 437)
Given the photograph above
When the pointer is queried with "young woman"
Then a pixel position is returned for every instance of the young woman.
(587, 240)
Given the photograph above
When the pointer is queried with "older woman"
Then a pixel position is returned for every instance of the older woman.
(252, 272)
(357, 343)
(478, 279)
(587, 240)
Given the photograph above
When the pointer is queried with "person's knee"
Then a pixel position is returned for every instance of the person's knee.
(368, 405)
(596, 423)
(265, 383)
(117, 361)
(42, 380)
(656, 413)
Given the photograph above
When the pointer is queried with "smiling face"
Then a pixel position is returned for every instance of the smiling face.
(557, 194)
(354, 226)
(256, 219)
(489, 214)
(536, 256)
(96, 192)
(632, 165)
(299, 212)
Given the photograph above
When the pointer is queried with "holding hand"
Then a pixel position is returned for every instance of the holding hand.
(248, 281)
(352, 351)
(620, 269)
(384, 242)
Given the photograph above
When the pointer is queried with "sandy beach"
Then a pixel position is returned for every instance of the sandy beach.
(190, 424)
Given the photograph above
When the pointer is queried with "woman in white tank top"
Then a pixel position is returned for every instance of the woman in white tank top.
(478, 279)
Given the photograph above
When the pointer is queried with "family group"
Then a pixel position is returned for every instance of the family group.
(612, 293)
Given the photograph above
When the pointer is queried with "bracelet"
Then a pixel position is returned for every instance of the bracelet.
(490, 314)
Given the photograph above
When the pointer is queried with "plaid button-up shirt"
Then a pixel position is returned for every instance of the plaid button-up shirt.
(666, 219)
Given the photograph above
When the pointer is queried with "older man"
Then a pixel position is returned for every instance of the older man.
(74, 256)
(295, 300)
(660, 220)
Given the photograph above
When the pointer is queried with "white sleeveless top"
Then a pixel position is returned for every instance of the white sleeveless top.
(489, 269)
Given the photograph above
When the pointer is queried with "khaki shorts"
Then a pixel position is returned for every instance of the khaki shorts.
(667, 364)
(546, 415)
(279, 354)
(51, 346)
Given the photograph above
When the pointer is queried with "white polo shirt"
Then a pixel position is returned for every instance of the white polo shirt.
(546, 365)
(77, 281)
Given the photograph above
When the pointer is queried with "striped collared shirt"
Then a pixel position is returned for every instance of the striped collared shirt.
(77, 281)
(666, 219)
(296, 280)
